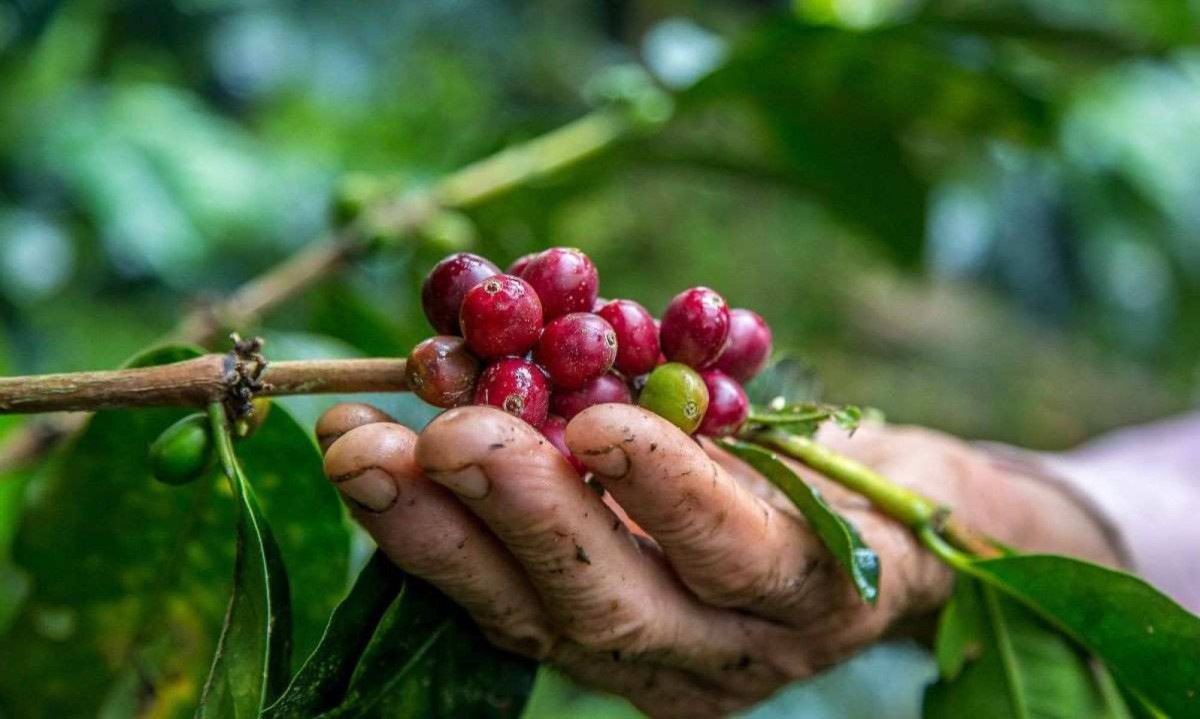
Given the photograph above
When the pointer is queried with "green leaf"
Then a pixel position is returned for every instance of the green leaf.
(396, 647)
(428, 659)
(128, 580)
(284, 465)
(1022, 667)
(325, 676)
(1147, 641)
(961, 630)
(124, 573)
(254, 651)
(838, 535)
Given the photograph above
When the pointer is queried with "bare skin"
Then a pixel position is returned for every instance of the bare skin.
(719, 595)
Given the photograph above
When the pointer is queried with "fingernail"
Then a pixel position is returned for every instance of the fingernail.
(608, 462)
(372, 489)
(469, 481)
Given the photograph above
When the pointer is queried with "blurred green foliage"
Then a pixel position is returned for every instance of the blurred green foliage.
(972, 214)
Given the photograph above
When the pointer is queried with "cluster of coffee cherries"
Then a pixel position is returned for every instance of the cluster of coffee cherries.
(538, 342)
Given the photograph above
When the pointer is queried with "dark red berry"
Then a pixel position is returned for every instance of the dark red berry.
(637, 336)
(695, 327)
(501, 316)
(576, 349)
(516, 386)
(727, 404)
(447, 283)
(605, 389)
(442, 372)
(749, 345)
(565, 279)
(519, 264)
(555, 430)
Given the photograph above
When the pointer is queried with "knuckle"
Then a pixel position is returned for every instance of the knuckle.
(611, 629)
(737, 584)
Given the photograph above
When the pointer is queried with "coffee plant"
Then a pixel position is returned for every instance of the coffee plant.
(240, 499)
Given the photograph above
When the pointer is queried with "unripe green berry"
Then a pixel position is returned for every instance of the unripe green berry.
(676, 393)
(183, 451)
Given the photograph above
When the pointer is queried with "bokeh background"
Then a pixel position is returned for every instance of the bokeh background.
(978, 215)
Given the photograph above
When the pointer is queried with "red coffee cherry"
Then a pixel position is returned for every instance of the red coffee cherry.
(555, 431)
(637, 336)
(576, 349)
(516, 386)
(442, 372)
(447, 283)
(728, 406)
(519, 264)
(749, 346)
(501, 316)
(605, 389)
(695, 327)
(565, 279)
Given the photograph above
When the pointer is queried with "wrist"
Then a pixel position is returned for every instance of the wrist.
(1056, 519)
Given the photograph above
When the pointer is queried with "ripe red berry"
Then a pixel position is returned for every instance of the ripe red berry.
(637, 336)
(749, 346)
(442, 372)
(501, 316)
(695, 327)
(565, 279)
(728, 406)
(516, 386)
(605, 389)
(518, 265)
(555, 430)
(447, 283)
(576, 349)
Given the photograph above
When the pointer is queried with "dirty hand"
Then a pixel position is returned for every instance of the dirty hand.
(715, 595)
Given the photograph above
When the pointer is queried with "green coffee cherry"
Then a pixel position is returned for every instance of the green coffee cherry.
(183, 451)
(676, 393)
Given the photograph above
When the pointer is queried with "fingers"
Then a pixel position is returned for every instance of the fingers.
(426, 531)
(729, 546)
(598, 587)
(343, 417)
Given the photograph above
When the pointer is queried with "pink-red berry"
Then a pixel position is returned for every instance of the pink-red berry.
(728, 406)
(605, 389)
(637, 336)
(695, 327)
(749, 345)
(446, 284)
(501, 316)
(442, 372)
(565, 279)
(518, 265)
(576, 349)
(555, 431)
(516, 386)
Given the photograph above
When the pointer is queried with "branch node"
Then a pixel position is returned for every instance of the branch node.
(244, 367)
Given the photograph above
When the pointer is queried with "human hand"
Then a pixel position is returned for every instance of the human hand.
(717, 596)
